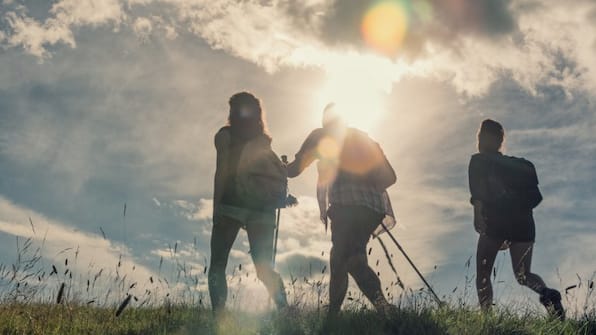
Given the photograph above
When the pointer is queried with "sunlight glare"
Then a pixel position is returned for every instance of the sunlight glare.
(357, 99)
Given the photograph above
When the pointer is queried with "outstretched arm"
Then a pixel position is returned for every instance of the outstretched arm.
(295, 168)
(306, 155)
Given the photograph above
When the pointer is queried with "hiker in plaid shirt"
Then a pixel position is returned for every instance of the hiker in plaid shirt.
(353, 176)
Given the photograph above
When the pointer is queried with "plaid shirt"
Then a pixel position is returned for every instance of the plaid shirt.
(345, 189)
(349, 191)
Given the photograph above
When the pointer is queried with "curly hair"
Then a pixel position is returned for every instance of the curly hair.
(246, 118)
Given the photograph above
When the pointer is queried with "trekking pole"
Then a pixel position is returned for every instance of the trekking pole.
(438, 300)
(275, 236)
(284, 160)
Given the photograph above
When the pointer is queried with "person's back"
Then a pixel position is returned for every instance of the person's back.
(504, 191)
(505, 215)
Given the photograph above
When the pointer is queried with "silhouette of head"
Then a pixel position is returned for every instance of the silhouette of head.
(246, 118)
(490, 136)
(331, 117)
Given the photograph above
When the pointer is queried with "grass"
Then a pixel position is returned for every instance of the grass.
(37, 298)
(183, 320)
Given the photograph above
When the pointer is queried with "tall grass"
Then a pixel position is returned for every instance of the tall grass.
(38, 298)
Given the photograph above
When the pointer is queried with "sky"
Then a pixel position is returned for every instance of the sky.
(108, 110)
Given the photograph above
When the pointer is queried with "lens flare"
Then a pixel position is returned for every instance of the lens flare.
(328, 148)
(384, 26)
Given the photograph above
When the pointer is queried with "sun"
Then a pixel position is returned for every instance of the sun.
(358, 102)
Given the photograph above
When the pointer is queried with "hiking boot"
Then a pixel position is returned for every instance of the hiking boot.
(551, 299)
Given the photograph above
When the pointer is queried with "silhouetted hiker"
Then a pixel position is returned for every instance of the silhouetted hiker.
(248, 181)
(353, 176)
(504, 192)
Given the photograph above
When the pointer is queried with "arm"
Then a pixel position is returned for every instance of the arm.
(479, 192)
(532, 197)
(306, 155)
(222, 145)
(478, 180)
(322, 195)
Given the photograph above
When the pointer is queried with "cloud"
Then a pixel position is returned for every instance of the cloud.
(34, 36)
(437, 22)
(298, 265)
(455, 41)
(143, 27)
(65, 15)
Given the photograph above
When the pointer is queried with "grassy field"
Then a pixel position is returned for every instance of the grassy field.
(66, 320)
(41, 298)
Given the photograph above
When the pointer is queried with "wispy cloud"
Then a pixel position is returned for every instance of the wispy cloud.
(468, 43)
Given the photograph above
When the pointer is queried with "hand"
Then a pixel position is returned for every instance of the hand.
(291, 201)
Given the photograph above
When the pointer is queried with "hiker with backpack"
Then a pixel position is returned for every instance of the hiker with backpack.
(353, 176)
(504, 193)
(250, 184)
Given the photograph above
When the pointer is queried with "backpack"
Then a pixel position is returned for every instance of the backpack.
(261, 177)
(364, 157)
(514, 183)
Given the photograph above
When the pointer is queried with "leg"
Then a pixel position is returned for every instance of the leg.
(338, 280)
(521, 259)
(486, 253)
(367, 280)
(357, 263)
(222, 238)
(260, 237)
(338, 277)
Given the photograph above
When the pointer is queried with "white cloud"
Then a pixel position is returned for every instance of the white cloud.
(531, 50)
(171, 32)
(34, 36)
(143, 27)
(156, 202)
(204, 210)
(87, 12)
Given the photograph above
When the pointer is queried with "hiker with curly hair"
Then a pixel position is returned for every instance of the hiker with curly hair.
(243, 145)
